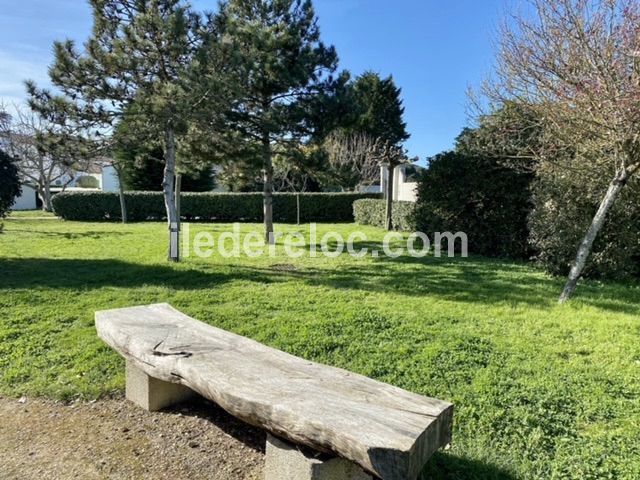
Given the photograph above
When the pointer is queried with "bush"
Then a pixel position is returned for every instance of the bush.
(87, 181)
(373, 212)
(488, 201)
(9, 183)
(223, 207)
(564, 208)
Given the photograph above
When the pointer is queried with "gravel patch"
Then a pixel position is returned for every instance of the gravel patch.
(114, 439)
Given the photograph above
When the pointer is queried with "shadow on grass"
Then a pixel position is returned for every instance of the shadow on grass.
(444, 466)
(479, 279)
(471, 280)
(94, 235)
(87, 273)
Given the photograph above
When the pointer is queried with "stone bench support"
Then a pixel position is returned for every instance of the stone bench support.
(153, 394)
(287, 461)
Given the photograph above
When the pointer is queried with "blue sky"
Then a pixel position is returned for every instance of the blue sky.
(434, 49)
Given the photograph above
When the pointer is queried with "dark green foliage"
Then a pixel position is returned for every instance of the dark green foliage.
(140, 155)
(106, 205)
(564, 207)
(9, 183)
(228, 207)
(145, 172)
(380, 108)
(280, 63)
(488, 201)
(279, 71)
(372, 212)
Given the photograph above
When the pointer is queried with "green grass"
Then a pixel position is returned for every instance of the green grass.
(32, 214)
(541, 391)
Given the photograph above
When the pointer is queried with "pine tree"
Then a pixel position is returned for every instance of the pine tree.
(140, 51)
(281, 67)
(380, 116)
(380, 111)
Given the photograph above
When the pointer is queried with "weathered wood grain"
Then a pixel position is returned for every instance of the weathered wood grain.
(388, 431)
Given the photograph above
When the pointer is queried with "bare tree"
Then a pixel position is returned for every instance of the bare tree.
(291, 173)
(575, 64)
(46, 155)
(352, 159)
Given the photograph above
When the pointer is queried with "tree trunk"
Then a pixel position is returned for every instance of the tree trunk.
(46, 198)
(267, 170)
(389, 210)
(616, 185)
(178, 193)
(169, 194)
(123, 204)
(40, 193)
(298, 209)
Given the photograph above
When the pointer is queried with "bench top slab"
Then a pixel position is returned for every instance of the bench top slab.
(390, 432)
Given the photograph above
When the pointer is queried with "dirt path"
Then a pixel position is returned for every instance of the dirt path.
(113, 439)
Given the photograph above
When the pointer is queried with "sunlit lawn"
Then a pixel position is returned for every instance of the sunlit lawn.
(541, 391)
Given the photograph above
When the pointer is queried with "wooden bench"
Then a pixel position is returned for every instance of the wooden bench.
(378, 428)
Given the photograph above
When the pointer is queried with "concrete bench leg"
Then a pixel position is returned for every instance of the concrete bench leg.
(286, 461)
(153, 394)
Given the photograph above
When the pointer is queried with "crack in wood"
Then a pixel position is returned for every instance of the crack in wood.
(156, 353)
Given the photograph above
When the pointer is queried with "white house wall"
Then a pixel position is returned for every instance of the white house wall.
(403, 191)
(109, 180)
(406, 192)
(27, 200)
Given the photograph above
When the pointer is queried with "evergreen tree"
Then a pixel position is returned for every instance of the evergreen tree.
(282, 68)
(380, 116)
(140, 51)
(379, 109)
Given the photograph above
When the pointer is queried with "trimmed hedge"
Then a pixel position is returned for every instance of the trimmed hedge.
(372, 212)
(223, 207)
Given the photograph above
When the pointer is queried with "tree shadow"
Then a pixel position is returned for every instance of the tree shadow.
(456, 280)
(474, 279)
(469, 280)
(95, 235)
(96, 273)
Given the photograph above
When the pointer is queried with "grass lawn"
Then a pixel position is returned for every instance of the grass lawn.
(541, 391)
(32, 214)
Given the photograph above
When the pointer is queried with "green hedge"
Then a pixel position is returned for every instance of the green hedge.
(372, 212)
(223, 207)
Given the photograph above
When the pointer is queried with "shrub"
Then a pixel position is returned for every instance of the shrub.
(9, 183)
(223, 207)
(373, 212)
(488, 201)
(87, 181)
(564, 208)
